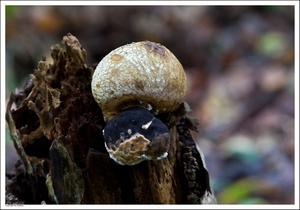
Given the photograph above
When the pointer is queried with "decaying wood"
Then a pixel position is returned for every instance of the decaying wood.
(56, 127)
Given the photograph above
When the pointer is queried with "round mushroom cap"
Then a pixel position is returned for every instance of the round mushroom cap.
(143, 74)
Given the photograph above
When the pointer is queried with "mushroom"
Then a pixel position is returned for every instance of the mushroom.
(133, 84)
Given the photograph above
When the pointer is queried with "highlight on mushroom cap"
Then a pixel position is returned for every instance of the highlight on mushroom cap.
(143, 74)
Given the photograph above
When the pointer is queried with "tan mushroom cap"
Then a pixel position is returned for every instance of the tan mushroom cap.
(143, 74)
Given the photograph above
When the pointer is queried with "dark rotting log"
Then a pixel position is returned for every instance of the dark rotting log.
(56, 127)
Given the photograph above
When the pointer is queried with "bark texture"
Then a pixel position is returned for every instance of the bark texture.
(56, 127)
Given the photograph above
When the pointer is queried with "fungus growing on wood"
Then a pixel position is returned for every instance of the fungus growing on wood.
(147, 76)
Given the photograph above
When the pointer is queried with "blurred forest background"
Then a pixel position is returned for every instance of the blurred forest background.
(240, 66)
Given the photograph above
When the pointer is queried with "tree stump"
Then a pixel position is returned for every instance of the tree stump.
(56, 127)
